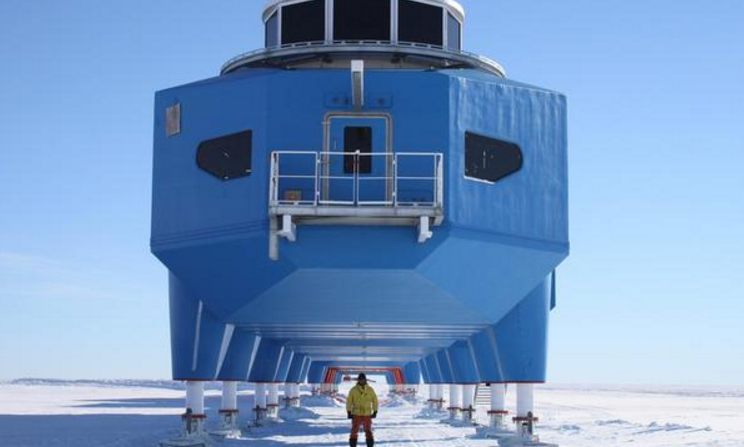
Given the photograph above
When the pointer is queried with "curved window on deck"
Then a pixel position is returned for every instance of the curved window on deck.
(361, 20)
(303, 22)
(272, 30)
(227, 157)
(489, 159)
(454, 41)
(420, 23)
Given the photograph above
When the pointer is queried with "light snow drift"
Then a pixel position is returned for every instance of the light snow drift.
(43, 413)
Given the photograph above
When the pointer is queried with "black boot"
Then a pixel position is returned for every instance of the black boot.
(370, 442)
(352, 442)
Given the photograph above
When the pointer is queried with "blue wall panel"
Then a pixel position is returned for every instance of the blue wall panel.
(294, 375)
(196, 335)
(412, 373)
(283, 369)
(237, 363)
(463, 365)
(445, 367)
(213, 235)
(425, 372)
(267, 360)
(316, 372)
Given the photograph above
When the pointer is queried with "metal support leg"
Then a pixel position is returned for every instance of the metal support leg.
(193, 434)
(455, 407)
(289, 229)
(424, 233)
(525, 420)
(295, 394)
(260, 403)
(439, 404)
(498, 413)
(287, 395)
(228, 427)
(272, 406)
(467, 409)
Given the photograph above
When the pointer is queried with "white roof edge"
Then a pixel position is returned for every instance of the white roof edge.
(452, 5)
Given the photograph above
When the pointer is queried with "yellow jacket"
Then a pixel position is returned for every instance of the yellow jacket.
(362, 401)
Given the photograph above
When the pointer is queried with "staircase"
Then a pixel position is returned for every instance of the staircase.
(483, 396)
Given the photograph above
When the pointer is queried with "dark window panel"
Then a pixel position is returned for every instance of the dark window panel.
(361, 19)
(490, 159)
(227, 157)
(358, 139)
(303, 22)
(420, 23)
(453, 33)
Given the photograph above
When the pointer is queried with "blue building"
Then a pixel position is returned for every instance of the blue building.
(361, 194)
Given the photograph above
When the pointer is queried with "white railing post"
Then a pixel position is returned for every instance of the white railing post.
(272, 179)
(278, 176)
(356, 177)
(395, 180)
(316, 193)
(440, 180)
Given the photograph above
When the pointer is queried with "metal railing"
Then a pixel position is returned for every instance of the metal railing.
(373, 45)
(356, 179)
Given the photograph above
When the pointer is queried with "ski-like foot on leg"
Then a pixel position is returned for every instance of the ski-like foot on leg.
(524, 435)
(193, 434)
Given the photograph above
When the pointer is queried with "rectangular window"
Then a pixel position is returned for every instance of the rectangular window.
(361, 20)
(420, 23)
(358, 139)
(303, 22)
(272, 30)
(489, 159)
(453, 33)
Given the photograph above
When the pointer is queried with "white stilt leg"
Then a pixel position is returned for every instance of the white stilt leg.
(440, 397)
(229, 395)
(525, 399)
(467, 409)
(228, 427)
(260, 408)
(194, 419)
(272, 406)
(295, 394)
(455, 407)
(525, 420)
(497, 415)
(287, 395)
(195, 397)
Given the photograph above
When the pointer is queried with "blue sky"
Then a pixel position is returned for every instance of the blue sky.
(653, 291)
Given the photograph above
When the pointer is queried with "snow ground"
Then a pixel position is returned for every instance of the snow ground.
(138, 414)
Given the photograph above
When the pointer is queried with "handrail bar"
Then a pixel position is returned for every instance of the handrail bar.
(436, 51)
(321, 173)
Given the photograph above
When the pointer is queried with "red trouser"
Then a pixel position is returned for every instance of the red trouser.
(361, 421)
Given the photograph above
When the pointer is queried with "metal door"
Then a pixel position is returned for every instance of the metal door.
(357, 161)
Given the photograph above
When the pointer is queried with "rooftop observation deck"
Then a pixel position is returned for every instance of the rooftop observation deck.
(385, 33)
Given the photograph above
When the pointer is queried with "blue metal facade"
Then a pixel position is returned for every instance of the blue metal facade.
(470, 305)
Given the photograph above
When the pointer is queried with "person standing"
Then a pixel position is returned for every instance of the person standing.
(361, 408)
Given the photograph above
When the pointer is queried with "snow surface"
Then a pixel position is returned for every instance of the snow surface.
(43, 413)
